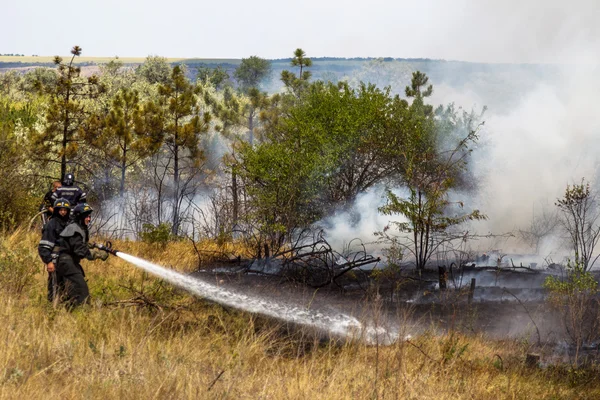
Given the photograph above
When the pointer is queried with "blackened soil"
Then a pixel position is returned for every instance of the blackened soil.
(503, 305)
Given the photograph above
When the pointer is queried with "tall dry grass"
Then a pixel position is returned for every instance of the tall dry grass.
(184, 348)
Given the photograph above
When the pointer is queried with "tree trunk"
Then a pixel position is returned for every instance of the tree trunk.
(123, 168)
(251, 127)
(175, 227)
(234, 190)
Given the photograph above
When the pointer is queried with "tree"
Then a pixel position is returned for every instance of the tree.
(38, 79)
(431, 168)
(217, 77)
(237, 113)
(182, 123)
(155, 69)
(252, 72)
(289, 79)
(581, 220)
(354, 133)
(66, 113)
(115, 77)
(319, 152)
(125, 135)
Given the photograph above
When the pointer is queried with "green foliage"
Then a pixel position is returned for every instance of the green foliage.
(20, 205)
(432, 163)
(580, 216)
(182, 122)
(334, 141)
(578, 282)
(124, 135)
(155, 69)
(296, 84)
(575, 296)
(252, 72)
(9, 82)
(61, 138)
(156, 234)
(217, 77)
(39, 80)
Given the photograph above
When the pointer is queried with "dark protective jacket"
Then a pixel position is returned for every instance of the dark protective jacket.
(73, 242)
(50, 236)
(71, 193)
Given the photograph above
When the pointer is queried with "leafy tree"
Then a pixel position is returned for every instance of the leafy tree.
(182, 123)
(9, 82)
(66, 113)
(155, 69)
(430, 171)
(114, 77)
(252, 72)
(38, 79)
(581, 220)
(319, 153)
(217, 77)
(354, 132)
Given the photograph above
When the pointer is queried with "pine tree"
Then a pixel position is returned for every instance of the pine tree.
(67, 112)
(182, 122)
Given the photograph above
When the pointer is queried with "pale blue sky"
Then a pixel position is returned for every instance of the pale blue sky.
(488, 31)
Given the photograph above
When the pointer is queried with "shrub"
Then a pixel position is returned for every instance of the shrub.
(575, 296)
(156, 234)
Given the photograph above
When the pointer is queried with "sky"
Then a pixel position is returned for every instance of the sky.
(505, 31)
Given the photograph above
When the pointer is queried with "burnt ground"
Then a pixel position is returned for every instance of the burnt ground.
(504, 305)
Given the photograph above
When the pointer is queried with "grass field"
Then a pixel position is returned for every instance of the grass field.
(142, 339)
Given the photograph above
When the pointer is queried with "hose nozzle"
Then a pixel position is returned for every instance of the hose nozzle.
(106, 247)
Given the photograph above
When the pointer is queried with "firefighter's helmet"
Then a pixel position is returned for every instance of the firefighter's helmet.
(62, 203)
(69, 179)
(81, 211)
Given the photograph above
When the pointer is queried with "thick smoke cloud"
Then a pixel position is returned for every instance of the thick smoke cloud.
(542, 128)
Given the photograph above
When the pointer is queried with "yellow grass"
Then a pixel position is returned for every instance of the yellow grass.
(190, 349)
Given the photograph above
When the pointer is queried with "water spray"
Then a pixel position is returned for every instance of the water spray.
(341, 325)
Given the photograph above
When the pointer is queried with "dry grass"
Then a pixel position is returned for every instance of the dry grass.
(190, 349)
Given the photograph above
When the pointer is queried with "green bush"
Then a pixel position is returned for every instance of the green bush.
(156, 234)
(575, 296)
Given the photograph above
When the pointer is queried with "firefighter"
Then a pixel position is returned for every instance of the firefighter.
(50, 236)
(73, 247)
(69, 191)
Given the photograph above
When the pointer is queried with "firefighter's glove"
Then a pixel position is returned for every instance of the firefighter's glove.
(99, 254)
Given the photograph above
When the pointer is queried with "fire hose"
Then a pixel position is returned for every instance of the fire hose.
(107, 246)
(44, 219)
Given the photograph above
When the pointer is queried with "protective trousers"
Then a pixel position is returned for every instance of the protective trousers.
(71, 281)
